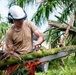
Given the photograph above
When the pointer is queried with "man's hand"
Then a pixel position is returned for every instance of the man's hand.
(36, 47)
(10, 49)
(11, 52)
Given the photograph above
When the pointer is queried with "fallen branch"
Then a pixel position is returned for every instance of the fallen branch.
(61, 27)
(39, 54)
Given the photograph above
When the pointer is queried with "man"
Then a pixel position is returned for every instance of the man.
(19, 38)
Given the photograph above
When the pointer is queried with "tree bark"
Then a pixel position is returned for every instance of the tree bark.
(62, 27)
(67, 30)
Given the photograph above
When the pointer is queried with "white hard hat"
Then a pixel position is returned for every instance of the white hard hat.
(16, 13)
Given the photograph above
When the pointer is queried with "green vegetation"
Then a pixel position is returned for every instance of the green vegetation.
(55, 68)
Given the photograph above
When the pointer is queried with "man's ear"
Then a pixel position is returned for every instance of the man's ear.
(10, 18)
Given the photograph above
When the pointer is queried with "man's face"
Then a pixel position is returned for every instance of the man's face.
(19, 23)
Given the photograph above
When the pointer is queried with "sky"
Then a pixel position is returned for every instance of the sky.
(3, 8)
(30, 10)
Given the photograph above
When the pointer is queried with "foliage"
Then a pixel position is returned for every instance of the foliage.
(70, 39)
(55, 68)
(43, 11)
(52, 36)
(20, 2)
(3, 28)
(68, 9)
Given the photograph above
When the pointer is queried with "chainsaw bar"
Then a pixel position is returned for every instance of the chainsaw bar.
(55, 56)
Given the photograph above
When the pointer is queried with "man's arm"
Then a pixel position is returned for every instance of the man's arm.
(9, 43)
(38, 42)
(36, 32)
(39, 36)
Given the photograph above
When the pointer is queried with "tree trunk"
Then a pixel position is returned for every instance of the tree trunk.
(30, 56)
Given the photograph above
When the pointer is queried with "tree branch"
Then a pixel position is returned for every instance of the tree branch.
(61, 27)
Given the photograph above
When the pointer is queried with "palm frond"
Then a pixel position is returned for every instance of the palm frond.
(3, 28)
(70, 40)
(60, 19)
(52, 36)
(43, 11)
(21, 3)
(68, 10)
(55, 40)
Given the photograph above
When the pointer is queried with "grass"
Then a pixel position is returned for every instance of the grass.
(55, 68)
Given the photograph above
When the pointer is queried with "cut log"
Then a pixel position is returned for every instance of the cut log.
(39, 54)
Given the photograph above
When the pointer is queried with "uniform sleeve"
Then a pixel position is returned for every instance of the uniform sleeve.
(9, 40)
(33, 26)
